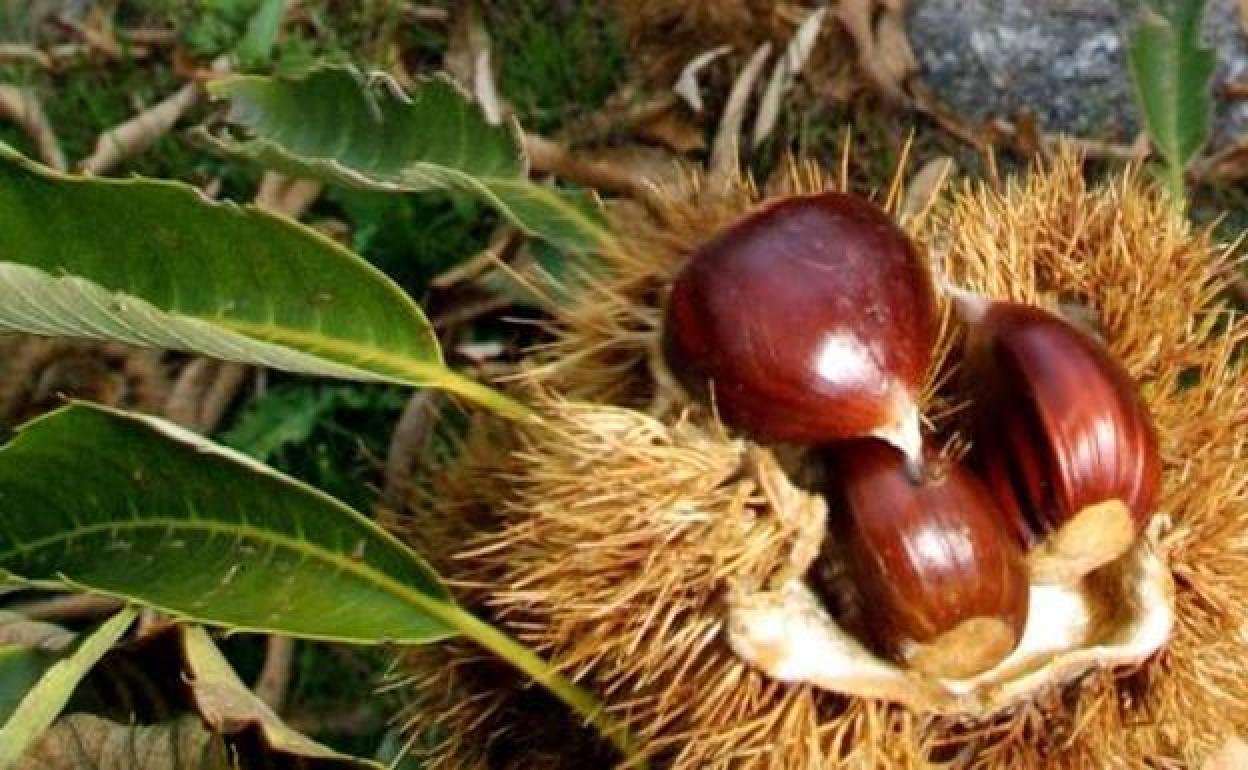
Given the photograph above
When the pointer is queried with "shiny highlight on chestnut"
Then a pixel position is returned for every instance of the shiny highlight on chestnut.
(811, 320)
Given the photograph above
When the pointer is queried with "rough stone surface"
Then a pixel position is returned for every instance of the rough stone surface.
(1062, 60)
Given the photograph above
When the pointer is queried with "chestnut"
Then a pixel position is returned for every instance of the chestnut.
(1061, 437)
(809, 321)
(943, 583)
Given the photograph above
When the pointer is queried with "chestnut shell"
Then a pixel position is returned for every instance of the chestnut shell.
(810, 320)
(1060, 426)
(929, 558)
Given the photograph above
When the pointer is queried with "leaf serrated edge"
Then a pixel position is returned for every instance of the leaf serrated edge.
(420, 373)
(580, 700)
(221, 88)
(256, 147)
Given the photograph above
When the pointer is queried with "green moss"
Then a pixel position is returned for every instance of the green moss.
(557, 59)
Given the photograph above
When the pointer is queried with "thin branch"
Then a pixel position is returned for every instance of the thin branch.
(22, 106)
(221, 393)
(182, 406)
(425, 13)
(411, 435)
(142, 131)
(203, 392)
(360, 719)
(149, 36)
(94, 39)
(71, 607)
(22, 52)
(470, 311)
(502, 243)
(624, 113)
(1088, 148)
(551, 157)
(273, 681)
(1228, 164)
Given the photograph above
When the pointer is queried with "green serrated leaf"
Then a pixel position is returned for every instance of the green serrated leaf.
(335, 125)
(41, 705)
(156, 264)
(256, 47)
(1171, 70)
(165, 517)
(288, 414)
(169, 519)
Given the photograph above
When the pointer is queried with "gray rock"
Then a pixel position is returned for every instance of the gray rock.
(1062, 60)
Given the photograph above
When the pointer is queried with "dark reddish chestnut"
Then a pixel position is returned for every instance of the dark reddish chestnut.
(1062, 437)
(943, 581)
(811, 320)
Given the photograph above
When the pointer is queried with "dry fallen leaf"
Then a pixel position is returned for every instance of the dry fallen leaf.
(725, 151)
(688, 85)
(229, 707)
(783, 75)
(87, 742)
(924, 187)
(468, 59)
(884, 54)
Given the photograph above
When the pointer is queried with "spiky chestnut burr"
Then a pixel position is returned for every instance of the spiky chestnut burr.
(943, 582)
(1061, 437)
(809, 321)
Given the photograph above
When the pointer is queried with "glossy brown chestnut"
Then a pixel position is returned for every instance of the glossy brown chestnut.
(943, 582)
(1062, 437)
(811, 320)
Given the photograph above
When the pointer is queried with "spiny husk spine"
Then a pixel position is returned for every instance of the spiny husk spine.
(575, 541)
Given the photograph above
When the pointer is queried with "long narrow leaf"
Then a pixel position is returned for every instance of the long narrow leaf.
(333, 124)
(27, 649)
(162, 516)
(167, 518)
(45, 700)
(1171, 69)
(156, 264)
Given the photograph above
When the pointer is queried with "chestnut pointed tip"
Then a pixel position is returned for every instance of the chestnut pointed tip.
(906, 434)
(809, 317)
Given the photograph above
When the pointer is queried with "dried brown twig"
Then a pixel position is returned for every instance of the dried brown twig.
(547, 156)
(502, 243)
(24, 52)
(140, 132)
(274, 678)
(63, 608)
(22, 106)
(359, 719)
(410, 437)
(98, 40)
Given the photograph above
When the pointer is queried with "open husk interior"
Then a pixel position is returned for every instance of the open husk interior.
(613, 536)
